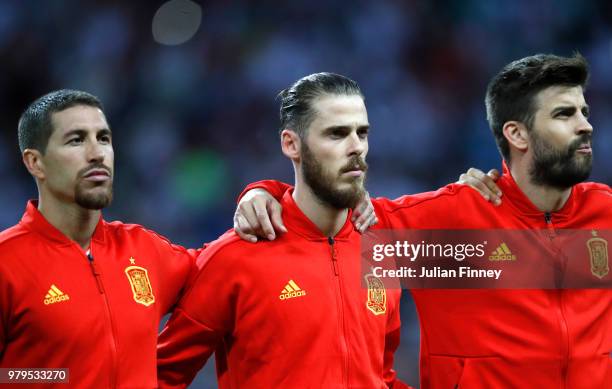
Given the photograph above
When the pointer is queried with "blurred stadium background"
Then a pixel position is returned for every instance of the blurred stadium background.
(189, 90)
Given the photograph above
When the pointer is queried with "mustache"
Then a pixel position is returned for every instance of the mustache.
(355, 162)
(97, 166)
(582, 139)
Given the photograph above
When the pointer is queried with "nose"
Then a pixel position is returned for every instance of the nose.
(357, 145)
(95, 151)
(584, 127)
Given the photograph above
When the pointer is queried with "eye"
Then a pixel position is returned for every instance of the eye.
(75, 141)
(106, 139)
(363, 134)
(337, 134)
(565, 113)
(586, 112)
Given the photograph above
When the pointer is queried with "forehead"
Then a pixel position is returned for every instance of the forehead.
(339, 110)
(79, 117)
(559, 95)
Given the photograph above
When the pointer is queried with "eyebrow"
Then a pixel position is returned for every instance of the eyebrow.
(569, 107)
(81, 132)
(331, 129)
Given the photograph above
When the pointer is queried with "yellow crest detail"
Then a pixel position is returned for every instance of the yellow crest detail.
(377, 295)
(141, 286)
(598, 251)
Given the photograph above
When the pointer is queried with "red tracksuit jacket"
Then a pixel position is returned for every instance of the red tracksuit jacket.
(291, 313)
(97, 318)
(507, 338)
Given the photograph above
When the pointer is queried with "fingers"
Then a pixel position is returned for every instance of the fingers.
(361, 206)
(276, 210)
(483, 183)
(494, 174)
(364, 215)
(490, 179)
(258, 216)
(243, 229)
(250, 221)
(263, 219)
(369, 222)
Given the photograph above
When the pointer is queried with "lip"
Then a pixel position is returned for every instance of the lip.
(97, 175)
(354, 173)
(585, 149)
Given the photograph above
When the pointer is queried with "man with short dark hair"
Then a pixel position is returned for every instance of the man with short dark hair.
(78, 292)
(524, 338)
(68, 279)
(516, 94)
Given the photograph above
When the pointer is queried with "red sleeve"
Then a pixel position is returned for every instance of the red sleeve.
(392, 340)
(276, 188)
(200, 323)
(183, 348)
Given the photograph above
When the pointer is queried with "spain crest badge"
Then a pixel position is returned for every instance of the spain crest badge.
(598, 252)
(141, 286)
(377, 295)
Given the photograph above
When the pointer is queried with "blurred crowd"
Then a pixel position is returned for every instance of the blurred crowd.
(194, 122)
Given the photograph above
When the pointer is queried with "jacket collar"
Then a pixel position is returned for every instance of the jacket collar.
(521, 202)
(33, 220)
(296, 221)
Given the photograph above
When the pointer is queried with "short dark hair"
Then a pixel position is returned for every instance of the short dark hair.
(296, 101)
(35, 127)
(510, 94)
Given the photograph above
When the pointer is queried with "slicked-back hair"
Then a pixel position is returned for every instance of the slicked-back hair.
(511, 93)
(35, 127)
(296, 111)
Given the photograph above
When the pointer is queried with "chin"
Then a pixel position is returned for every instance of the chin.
(95, 199)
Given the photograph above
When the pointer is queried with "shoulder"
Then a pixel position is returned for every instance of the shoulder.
(594, 197)
(14, 237)
(594, 189)
(442, 199)
(15, 246)
(228, 249)
(136, 233)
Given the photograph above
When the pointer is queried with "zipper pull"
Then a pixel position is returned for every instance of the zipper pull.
(549, 225)
(95, 272)
(330, 240)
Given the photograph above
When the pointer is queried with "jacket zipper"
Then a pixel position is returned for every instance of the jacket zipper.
(345, 349)
(98, 276)
(562, 320)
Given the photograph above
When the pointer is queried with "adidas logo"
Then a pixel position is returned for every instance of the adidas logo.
(502, 253)
(54, 295)
(291, 290)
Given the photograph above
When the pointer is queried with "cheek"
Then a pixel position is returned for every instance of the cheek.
(110, 159)
(67, 166)
(60, 177)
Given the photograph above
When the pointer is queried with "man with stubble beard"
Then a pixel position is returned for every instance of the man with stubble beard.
(77, 292)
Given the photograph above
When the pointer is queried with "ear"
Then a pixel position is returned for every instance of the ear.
(32, 159)
(517, 135)
(291, 144)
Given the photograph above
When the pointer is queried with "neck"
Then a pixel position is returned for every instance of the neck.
(545, 198)
(328, 220)
(72, 220)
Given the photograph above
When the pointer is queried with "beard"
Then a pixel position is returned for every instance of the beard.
(323, 183)
(93, 201)
(559, 168)
(97, 198)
